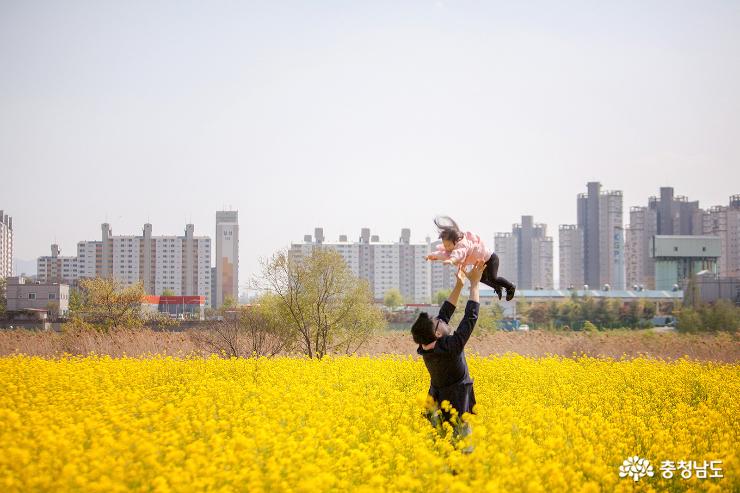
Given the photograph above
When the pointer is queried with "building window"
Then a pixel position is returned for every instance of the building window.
(31, 296)
(52, 296)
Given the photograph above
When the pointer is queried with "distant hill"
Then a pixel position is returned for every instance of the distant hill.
(27, 267)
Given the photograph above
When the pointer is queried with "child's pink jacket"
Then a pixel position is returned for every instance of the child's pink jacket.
(467, 251)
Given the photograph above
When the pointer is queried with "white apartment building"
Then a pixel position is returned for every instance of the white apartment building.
(181, 264)
(89, 256)
(398, 265)
(542, 263)
(168, 258)
(387, 269)
(125, 256)
(416, 282)
(57, 269)
(443, 276)
(6, 245)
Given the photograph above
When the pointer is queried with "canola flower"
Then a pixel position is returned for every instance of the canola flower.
(356, 424)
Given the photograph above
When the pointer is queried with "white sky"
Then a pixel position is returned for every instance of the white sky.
(352, 114)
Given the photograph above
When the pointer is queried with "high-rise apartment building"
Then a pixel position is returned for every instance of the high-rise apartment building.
(674, 214)
(443, 277)
(570, 247)
(414, 269)
(6, 245)
(640, 270)
(396, 265)
(506, 246)
(526, 255)
(724, 221)
(177, 264)
(665, 215)
(611, 238)
(601, 223)
(227, 256)
(57, 269)
(213, 285)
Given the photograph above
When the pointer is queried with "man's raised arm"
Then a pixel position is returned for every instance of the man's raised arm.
(456, 342)
(448, 307)
(455, 294)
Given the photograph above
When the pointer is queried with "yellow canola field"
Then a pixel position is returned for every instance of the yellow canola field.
(355, 424)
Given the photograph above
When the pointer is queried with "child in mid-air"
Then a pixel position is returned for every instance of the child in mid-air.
(465, 248)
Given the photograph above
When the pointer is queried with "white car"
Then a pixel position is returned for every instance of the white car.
(523, 327)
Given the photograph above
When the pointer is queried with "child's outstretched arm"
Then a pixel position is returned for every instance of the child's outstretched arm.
(439, 254)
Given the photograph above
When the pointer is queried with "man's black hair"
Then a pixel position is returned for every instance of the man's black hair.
(423, 329)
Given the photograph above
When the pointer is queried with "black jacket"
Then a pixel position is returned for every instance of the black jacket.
(446, 361)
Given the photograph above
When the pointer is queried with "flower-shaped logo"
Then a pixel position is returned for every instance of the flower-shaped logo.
(636, 468)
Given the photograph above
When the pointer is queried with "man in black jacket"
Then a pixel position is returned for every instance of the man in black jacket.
(443, 351)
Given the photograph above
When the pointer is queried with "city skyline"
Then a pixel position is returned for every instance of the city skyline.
(366, 116)
(416, 237)
(180, 264)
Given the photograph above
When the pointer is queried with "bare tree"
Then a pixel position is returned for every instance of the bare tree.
(323, 305)
(245, 331)
(221, 337)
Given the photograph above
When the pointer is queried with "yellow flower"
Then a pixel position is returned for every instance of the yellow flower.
(358, 424)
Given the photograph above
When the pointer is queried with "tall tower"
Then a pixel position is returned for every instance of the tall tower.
(106, 268)
(571, 256)
(148, 269)
(724, 221)
(190, 262)
(667, 215)
(600, 219)
(526, 255)
(227, 256)
(6, 245)
(588, 220)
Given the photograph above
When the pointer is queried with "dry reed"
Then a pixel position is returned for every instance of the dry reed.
(722, 347)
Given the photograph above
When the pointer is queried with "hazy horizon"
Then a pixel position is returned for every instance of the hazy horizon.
(372, 115)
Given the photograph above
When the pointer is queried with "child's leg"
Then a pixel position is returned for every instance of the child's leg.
(489, 275)
(492, 269)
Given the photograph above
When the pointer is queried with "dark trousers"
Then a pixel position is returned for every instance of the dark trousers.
(490, 276)
(462, 398)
